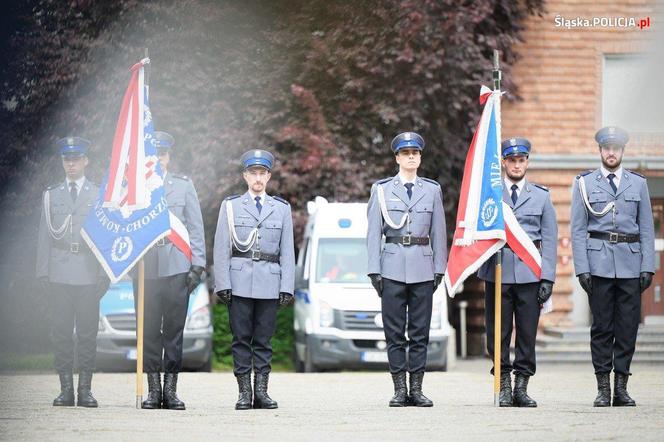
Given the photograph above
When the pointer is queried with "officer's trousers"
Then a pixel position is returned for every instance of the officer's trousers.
(166, 302)
(74, 307)
(417, 300)
(253, 322)
(518, 305)
(616, 309)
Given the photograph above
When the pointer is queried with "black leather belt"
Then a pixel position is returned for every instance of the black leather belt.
(408, 240)
(537, 243)
(255, 255)
(615, 237)
(73, 247)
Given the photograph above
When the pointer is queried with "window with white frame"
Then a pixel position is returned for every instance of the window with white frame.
(632, 96)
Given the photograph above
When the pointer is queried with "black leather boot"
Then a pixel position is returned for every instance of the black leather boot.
(66, 397)
(400, 398)
(244, 387)
(170, 399)
(505, 396)
(521, 398)
(603, 398)
(85, 398)
(261, 398)
(620, 396)
(417, 398)
(153, 400)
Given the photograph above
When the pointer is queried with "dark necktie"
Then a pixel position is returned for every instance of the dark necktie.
(259, 206)
(72, 191)
(514, 195)
(409, 189)
(611, 176)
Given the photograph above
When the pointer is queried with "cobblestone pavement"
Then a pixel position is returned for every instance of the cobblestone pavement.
(345, 406)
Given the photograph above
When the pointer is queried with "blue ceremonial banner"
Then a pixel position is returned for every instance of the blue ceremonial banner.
(131, 213)
(480, 229)
(491, 196)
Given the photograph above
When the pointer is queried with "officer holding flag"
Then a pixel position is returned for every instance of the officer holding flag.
(523, 292)
(254, 270)
(69, 273)
(170, 277)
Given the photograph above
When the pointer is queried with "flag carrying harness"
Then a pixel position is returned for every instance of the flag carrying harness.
(61, 231)
(584, 196)
(386, 216)
(242, 246)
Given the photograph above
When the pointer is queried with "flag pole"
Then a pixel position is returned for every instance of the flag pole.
(139, 333)
(140, 314)
(497, 350)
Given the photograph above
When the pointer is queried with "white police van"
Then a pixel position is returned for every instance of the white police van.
(337, 317)
(116, 339)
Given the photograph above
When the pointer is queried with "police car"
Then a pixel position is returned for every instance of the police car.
(337, 317)
(116, 340)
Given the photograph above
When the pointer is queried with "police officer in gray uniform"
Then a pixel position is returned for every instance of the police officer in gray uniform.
(614, 259)
(70, 274)
(169, 280)
(254, 270)
(407, 269)
(523, 293)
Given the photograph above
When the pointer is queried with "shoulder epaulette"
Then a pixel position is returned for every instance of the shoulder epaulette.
(383, 180)
(232, 197)
(280, 199)
(182, 177)
(428, 180)
(584, 173)
(540, 186)
(51, 187)
(635, 173)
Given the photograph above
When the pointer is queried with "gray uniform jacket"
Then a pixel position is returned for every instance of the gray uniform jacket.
(536, 215)
(248, 278)
(414, 263)
(58, 260)
(167, 260)
(633, 215)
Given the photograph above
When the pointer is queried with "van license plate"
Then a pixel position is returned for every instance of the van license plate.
(373, 356)
(131, 354)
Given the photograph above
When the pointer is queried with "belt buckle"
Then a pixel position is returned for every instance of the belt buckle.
(613, 237)
(255, 255)
(161, 242)
(405, 240)
(74, 247)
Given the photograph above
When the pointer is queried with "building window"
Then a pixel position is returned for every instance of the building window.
(630, 93)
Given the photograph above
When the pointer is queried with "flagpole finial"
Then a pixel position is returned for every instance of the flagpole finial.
(497, 75)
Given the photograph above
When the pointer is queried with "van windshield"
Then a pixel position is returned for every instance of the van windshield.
(342, 260)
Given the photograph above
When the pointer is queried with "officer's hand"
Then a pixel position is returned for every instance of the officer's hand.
(437, 279)
(645, 280)
(285, 299)
(102, 285)
(377, 283)
(225, 296)
(586, 282)
(194, 278)
(544, 292)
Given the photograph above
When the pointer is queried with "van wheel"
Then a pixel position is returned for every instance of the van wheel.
(309, 366)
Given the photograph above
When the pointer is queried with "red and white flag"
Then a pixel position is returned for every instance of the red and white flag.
(131, 214)
(484, 222)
